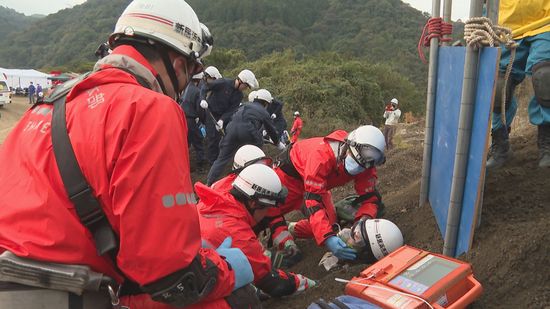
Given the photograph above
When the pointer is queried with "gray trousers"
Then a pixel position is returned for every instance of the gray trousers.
(389, 132)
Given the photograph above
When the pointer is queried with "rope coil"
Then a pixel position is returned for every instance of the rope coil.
(479, 32)
(436, 28)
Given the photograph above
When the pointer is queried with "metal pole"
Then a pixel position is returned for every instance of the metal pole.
(463, 140)
(430, 108)
(447, 9)
(492, 10)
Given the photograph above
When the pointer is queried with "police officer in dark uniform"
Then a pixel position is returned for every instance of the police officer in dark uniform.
(245, 128)
(275, 109)
(220, 98)
(189, 102)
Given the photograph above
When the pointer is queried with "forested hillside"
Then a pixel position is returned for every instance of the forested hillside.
(12, 21)
(338, 61)
(66, 38)
(379, 30)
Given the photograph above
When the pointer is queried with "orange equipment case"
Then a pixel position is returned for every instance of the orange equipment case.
(441, 281)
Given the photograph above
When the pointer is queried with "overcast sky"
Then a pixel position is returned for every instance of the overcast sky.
(45, 7)
(461, 8)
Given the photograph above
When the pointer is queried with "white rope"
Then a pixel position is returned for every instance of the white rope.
(384, 289)
(479, 32)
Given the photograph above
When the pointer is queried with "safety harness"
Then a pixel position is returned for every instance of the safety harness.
(80, 194)
(86, 205)
(286, 165)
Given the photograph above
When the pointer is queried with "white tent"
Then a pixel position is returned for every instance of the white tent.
(22, 78)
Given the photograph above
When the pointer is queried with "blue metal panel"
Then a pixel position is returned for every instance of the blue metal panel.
(447, 109)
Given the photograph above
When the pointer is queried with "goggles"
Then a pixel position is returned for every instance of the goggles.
(366, 155)
(267, 161)
(267, 198)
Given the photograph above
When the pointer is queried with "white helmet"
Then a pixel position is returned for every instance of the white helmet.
(247, 77)
(212, 71)
(367, 145)
(170, 22)
(198, 75)
(383, 236)
(208, 41)
(264, 95)
(251, 96)
(261, 183)
(296, 113)
(394, 101)
(247, 155)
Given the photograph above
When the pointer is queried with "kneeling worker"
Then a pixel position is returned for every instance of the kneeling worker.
(235, 214)
(312, 167)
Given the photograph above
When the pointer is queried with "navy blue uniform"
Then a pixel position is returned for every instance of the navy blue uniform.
(276, 107)
(245, 128)
(189, 102)
(223, 99)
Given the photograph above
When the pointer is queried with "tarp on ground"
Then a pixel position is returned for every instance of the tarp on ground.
(22, 78)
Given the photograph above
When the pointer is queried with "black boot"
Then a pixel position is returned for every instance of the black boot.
(500, 148)
(543, 141)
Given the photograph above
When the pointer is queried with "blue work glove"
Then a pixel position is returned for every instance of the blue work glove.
(339, 248)
(238, 261)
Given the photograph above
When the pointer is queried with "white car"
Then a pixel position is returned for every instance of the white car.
(5, 94)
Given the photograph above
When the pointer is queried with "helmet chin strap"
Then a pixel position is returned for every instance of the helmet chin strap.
(171, 72)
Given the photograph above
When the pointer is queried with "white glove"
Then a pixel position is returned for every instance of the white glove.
(281, 146)
(219, 124)
(264, 133)
(304, 283)
(273, 116)
(204, 104)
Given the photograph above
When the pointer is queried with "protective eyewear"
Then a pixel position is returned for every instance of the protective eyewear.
(267, 198)
(368, 156)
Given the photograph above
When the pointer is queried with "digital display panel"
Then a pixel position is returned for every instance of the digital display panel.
(424, 274)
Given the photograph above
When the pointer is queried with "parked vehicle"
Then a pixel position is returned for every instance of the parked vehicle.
(5, 93)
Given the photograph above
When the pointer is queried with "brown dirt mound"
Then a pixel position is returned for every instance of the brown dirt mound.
(510, 253)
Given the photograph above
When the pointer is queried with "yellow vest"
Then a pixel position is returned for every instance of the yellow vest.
(515, 14)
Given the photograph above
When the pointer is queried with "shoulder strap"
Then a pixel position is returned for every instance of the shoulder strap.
(86, 205)
(79, 191)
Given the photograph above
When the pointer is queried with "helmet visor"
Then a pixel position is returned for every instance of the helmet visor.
(368, 156)
(270, 199)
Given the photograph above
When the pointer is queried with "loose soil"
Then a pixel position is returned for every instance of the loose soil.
(511, 248)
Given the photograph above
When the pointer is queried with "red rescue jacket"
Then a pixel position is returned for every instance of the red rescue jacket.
(296, 129)
(315, 161)
(221, 216)
(131, 145)
(225, 184)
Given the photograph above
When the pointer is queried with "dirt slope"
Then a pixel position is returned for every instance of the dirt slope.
(511, 250)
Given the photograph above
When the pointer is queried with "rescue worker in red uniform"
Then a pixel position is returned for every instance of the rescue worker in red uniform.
(245, 156)
(312, 167)
(129, 139)
(296, 129)
(235, 213)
